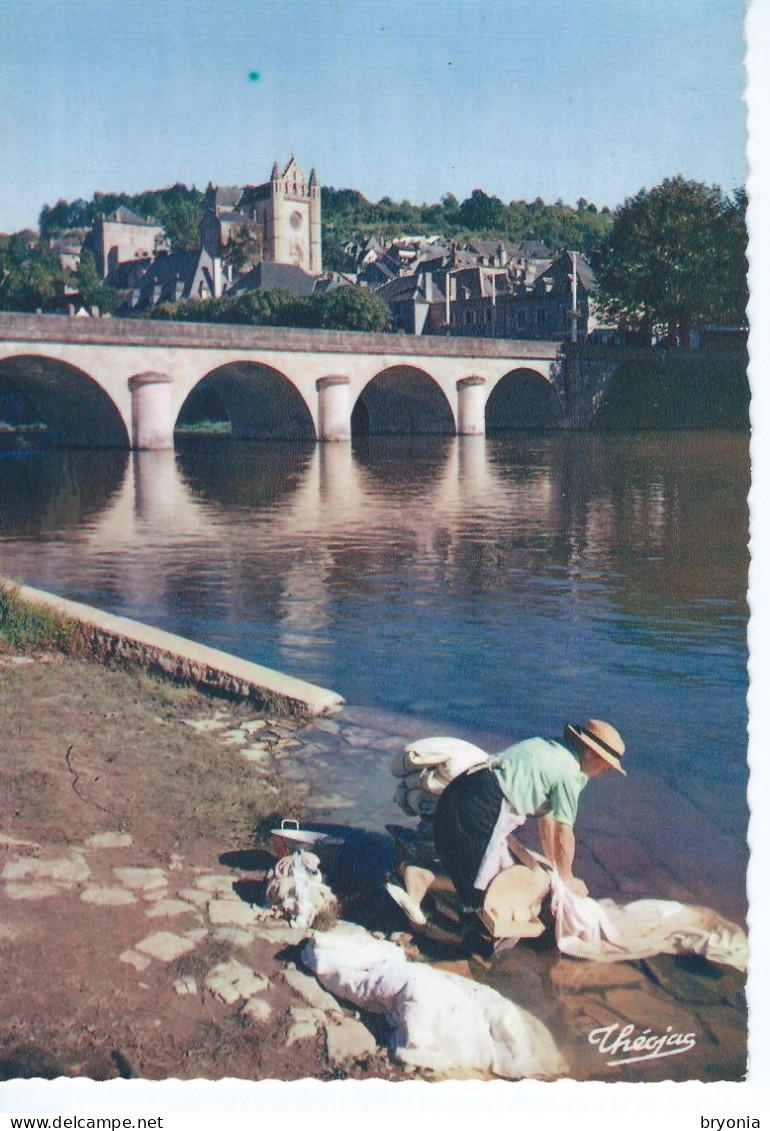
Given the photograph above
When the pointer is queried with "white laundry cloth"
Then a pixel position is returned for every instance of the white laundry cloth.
(296, 890)
(440, 1020)
(448, 756)
(605, 931)
(498, 855)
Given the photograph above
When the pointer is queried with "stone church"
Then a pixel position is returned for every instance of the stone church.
(284, 212)
(283, 217)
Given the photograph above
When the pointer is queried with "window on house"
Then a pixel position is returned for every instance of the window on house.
(521, 319)
(540, 316)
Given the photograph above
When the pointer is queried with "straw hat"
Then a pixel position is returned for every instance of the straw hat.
(603, 739)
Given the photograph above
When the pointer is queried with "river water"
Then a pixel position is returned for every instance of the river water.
(490, 589)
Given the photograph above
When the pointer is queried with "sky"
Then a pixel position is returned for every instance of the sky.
(409, 99)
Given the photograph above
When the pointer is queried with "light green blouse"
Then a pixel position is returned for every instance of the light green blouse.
(539, 776)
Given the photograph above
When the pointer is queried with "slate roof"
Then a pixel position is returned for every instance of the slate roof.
(463, 258)
(253, 193)
(222, 196)
(489, 247)
(164, 271)
(563, 266)
(433, 262)
(229, 200)
(482, 282)
(534, 249)
(286, 276)
(123, 215)
(168, 268)
(380, 271)
(406, 288)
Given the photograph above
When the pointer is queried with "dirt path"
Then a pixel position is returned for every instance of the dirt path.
(128, 949)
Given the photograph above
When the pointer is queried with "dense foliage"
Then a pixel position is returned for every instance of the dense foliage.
(672, 389)
(30, 275)
(92, 288)
(177, 209)
(347, 216)
(675, 259)
(345, 308)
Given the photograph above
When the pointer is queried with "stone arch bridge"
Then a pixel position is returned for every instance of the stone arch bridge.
(125, 383)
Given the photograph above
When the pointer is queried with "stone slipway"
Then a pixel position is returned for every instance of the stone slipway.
(119, 638)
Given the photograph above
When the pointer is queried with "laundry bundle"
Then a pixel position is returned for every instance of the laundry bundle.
(296, 890)
(439, 1020)
(426, 767)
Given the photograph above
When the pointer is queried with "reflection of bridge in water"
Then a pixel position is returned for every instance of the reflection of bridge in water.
(114, 383)
(288, 527)
(199, 518)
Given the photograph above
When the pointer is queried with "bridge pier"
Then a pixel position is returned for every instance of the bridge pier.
(152, 418)
(333, 408)
(470, 406)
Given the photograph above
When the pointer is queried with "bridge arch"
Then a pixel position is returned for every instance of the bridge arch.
(523, 398)
(76, 410)
(402, 400)
(259, 401)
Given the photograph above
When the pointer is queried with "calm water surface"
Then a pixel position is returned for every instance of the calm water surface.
(487, 587)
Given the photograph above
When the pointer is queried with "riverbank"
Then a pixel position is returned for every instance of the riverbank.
(130, 817)
(134, 845)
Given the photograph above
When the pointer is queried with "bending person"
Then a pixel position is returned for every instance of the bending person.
(535, 778)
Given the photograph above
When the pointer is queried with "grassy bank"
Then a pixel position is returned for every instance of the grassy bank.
(672, 389)
(25, 627)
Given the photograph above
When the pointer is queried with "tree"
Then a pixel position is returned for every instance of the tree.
(734, 240)
(64, 216)
(662, 267)
(482, 213)
(180, 217)
(30, 274)
(243, 249)
(353, 308)
(345, 308)
(93, 290)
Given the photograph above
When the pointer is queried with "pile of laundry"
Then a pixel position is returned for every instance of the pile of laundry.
(426, 767)
(438, 1020)
(296, 890)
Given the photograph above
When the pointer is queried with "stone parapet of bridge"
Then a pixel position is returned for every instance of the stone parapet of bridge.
(124, 382)
(207, 335)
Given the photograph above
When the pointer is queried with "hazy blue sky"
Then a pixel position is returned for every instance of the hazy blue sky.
(404, 98)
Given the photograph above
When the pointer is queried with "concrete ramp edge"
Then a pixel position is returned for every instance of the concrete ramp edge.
(121, 639)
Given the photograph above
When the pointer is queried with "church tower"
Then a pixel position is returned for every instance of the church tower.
(290, 213)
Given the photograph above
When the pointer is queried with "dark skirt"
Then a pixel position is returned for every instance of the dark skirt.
(465, 819)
